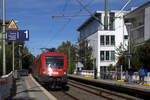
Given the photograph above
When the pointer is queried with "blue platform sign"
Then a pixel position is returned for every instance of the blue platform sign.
(128, 55)
(12, 35)
(18, 35)
(23, 35)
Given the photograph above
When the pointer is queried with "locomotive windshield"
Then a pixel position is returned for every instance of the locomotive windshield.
(54, 61)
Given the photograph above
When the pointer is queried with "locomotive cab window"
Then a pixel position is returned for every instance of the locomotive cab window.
(54, 61)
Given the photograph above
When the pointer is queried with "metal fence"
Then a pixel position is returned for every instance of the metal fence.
(6, 82)
(113, 75)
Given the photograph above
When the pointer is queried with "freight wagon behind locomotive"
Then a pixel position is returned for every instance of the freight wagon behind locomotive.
(50, 68)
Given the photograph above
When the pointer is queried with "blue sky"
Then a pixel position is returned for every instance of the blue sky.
(48, 32)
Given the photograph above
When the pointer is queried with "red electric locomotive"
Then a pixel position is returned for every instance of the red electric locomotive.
(50, 68)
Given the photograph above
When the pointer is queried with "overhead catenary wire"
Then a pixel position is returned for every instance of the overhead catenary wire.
(92, 15)
(60, 31)
(75, 15)
(86, 5)
(65, 5)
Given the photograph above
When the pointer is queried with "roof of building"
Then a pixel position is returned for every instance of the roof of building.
(137, 10)
(97, 13)
(89, 20)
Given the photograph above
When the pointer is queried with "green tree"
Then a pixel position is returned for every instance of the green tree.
(111, 68)
(8, 60)
(141, 57)
(122, 60)
(84, 52)
(27, 57)
(69, 50)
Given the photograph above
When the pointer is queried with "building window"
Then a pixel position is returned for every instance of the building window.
(125, 37)
(102, 40)
(107, 40)
(107, 55)
(112, 55)
(102, 55)
(112, 40)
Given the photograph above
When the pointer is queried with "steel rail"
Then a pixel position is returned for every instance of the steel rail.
(97, 94)
(102, 91)
(75, 98)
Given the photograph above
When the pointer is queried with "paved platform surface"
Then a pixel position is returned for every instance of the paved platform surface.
(28, 89)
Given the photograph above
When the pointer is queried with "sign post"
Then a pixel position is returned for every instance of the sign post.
(13, 34)
(12, 26)
(4, 32)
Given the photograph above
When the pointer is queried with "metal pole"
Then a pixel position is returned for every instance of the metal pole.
(129, 47)
(129, 36)
(106, 16)
(69, 58)
(121, 72)
(19, 58)
(95, 69)
(13, 56)
(4, 55)
(21, 61)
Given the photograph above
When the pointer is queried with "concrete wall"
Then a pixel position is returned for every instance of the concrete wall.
(147, 24)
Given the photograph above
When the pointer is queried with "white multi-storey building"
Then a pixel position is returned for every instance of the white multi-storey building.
(140, 20)
(105, 42)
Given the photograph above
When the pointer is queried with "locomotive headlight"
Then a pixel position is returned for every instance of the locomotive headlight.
(65, 72)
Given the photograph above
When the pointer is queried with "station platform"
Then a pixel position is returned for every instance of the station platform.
(27, 88)
(130, 88)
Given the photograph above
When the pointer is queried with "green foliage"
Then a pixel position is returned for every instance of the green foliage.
(111, 68)
(141, 57)
(64, 48)
(84, 52)
(27, 60)
(8, 59)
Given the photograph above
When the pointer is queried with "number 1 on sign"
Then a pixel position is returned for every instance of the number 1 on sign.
(26, 32)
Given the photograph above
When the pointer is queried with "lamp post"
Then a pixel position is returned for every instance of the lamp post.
(20, 57)
(13, 54)
(129, 44)
(4, 31)
(94, 61)
(129, 51)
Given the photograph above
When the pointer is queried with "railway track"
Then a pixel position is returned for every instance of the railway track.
(63, 95)
(80, 91)
(107, 94)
